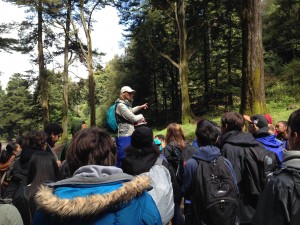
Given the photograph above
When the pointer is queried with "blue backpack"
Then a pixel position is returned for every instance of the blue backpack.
(111, 119)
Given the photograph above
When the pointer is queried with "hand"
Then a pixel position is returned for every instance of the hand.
(145, 106)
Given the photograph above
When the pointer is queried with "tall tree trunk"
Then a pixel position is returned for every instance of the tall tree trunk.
(229, 59)
(42, 70)
(206, 60)
(186, 116)
(253, 91)
(89, 58)
(65, 106)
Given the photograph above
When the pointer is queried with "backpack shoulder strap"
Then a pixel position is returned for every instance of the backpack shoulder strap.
(158, 161)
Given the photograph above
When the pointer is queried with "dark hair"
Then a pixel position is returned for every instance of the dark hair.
(160, 136)
(233, 120)
(91, 146)
(175, 134)
(294, 122)
(207, 132)
(42, 167)
(285, 123)
(75, 127)
(7, 153)
(53, 128)
(34, 140)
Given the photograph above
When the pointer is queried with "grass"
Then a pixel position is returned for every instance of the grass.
(278, 112)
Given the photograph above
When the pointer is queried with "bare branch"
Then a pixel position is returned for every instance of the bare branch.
(162, 54)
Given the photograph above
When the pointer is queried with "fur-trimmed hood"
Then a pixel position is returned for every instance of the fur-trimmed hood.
(90, 205)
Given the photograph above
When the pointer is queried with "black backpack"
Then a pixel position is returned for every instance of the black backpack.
(215, 195)
(187, 153)
(259, 165)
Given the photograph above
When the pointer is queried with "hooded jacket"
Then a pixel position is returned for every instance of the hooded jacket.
(271, 143)
(233, 145)
(281, 196)
(126, 117)
(97, 195)
(206, 153)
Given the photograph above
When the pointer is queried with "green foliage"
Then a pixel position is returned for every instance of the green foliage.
(16, 108)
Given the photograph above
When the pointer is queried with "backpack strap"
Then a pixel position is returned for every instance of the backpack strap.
(158, 161)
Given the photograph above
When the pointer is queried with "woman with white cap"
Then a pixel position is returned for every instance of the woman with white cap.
(126, 119)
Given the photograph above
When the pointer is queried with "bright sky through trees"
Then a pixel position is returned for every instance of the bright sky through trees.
(106, 36)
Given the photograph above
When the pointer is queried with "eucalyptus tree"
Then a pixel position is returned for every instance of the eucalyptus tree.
(253, 85)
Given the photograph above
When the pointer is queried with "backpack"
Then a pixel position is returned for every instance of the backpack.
(259, 165)
(162, 190)
(111, 119)
(187, 153)
(215, 194)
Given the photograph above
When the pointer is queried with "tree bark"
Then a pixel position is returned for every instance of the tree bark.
(42, 70)
(65, 106)
(89, 58)
(253, 91)
(186, 113)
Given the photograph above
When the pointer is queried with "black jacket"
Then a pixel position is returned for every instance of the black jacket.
(21, 201)
(233, 146)
(280, 201)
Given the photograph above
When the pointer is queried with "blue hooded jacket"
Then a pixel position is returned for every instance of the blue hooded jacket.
(271, 143)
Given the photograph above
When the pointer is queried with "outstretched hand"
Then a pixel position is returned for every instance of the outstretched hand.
(145, 106)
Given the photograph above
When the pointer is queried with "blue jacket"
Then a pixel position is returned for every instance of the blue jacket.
(207, 153)
(97, 195)
(271, 143)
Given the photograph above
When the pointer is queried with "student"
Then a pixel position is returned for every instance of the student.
(177, 151)
(258, 126)
(127, 119)
(281, 133)
(162, 140)
(98, 192)
(207, 134)
(141, 156)
(234, 144)
(42, 167)
(32, 142)
(280, 202)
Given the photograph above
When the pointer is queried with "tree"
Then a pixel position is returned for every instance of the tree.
(17, 107)
(253, 90)
(87, 51)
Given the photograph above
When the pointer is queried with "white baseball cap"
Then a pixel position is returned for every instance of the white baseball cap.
(126, 89)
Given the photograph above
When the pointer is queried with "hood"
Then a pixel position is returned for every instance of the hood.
(137, 164)
(126, 102)
(270, 141)
(239, 139)
(207, 153)
(291, 159)
(91, 205)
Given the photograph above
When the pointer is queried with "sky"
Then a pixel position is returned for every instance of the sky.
(106, 36)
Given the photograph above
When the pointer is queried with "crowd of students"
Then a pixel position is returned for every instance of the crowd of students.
(96, 191)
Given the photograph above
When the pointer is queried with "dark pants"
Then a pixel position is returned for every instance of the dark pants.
(178, 218)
